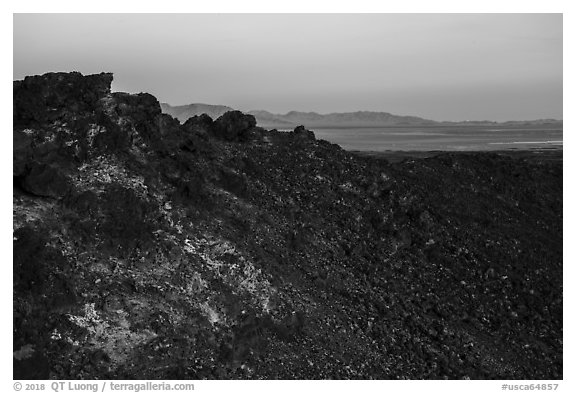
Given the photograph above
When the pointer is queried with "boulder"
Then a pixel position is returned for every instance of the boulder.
(301, 132)
(234, 182)
(44, 180)
(197, 123)
(171, 134)
(140, 112)
(194, 133)
(234, 126)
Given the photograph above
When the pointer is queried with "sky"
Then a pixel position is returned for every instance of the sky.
(437, 66)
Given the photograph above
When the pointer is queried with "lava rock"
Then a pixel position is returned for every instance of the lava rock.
(44, 180)
(44, 98)
(35, 366)
(168, 125)
(234, 182)
(143, 112)
(126, 218)
(22, 152)
(202, 122)
(194, 134)
(302, 133)
(446, 266)
(234, 126)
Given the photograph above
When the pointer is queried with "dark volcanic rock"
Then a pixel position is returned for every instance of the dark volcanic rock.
(40, 272)
(148, 249)
(234, 126)
(234, 182)
(22, 152)
(302, 133)
(43, 99)
(196, 123)
(143, 111)
(126, 222)
(195, 132)
(68, 117)
(44, 180)
(168, 125)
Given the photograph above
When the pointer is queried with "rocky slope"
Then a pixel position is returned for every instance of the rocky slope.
(148, 249)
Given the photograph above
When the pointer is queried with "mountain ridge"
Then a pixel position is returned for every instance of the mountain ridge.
(354, 119)
(184, 112)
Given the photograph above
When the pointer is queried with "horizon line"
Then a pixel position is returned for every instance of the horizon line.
(367, 111)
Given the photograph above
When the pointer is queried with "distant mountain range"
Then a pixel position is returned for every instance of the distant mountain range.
(184, 112)
(347, 119)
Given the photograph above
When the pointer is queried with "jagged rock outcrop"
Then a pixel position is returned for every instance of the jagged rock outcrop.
(199, 123)
(236, 126)
(215, 249)
(50, 97)
(302, 133)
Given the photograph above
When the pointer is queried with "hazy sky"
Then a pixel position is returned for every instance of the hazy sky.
(437, 66)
